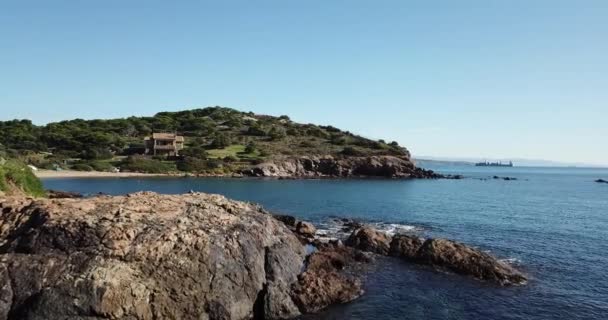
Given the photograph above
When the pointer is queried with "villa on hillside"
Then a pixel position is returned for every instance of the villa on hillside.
(168, 144)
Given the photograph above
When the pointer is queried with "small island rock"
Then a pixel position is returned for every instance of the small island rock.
(369, 239)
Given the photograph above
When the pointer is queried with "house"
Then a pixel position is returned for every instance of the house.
(168, 144)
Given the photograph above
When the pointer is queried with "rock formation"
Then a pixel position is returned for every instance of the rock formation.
(336, 167)
(440, 253)
(325, 283)
(193, 256)
(601, 181)
(145, 256)
(369, 239)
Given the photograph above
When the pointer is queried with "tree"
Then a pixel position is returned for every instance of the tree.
(277, 133)
(194, 152)
(250, 147)
(221, 141)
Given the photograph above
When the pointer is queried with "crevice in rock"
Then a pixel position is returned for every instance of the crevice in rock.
(259, 306)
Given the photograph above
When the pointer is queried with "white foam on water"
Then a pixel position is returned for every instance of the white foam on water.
(512, 261)
(336, 229)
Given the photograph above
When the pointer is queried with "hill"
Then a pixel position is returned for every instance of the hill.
(217, 140)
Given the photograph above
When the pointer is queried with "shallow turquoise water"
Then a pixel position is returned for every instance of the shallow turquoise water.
(553, 223)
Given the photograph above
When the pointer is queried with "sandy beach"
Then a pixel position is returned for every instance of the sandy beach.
(92, 174)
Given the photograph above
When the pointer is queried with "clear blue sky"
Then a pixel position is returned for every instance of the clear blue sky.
(448, 78)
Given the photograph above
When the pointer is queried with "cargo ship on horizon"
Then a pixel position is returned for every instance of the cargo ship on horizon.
(494, 164)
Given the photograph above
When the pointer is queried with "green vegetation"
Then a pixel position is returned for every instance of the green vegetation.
(15, 176)
(231, 138)
(145, 165)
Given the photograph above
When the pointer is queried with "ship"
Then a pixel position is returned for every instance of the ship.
(494, 164)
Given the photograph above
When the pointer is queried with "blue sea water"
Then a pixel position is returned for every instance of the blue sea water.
(551, 222)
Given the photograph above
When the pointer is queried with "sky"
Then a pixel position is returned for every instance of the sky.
(486, 78)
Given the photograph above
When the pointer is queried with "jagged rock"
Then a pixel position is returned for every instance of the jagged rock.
(289, 221)
(440, 253)
(145, 256)
(504, 178)
(325, 281)
(369, 239)
(55, 194)
(6, 293)
(282, 267)
(306, 229)
(328, 166)
(466, 260)
(406, 247)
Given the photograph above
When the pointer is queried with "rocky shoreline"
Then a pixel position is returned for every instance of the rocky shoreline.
(193, 256)
(336, 167)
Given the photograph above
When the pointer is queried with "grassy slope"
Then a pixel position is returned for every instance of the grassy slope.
(16, 175)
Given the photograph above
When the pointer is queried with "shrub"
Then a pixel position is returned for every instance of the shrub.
(190, 164)
(194, 152)
(221, 141)
(277, 133)
(142, 164)
(101, 166)
(256, 130)
(250, 147)
(352, 151)
(230, 159)
(82, 167)
(96, 153)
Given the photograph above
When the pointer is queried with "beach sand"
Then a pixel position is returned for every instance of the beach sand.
(92, 174)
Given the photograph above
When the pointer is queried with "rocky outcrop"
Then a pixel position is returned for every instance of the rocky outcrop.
(306, 229)
(56, 194)
(601, 181)
(340, 167)
(326, 280)
(440, 253)
(463, 259)
(405, 247)
(146, 256)
(369, 239)
(504, 178)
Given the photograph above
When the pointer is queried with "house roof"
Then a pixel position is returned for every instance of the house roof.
(166, 136)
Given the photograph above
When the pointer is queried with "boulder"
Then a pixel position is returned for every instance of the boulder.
(369, 239)
(306, 229)
(289, 221)
(463, 259)
(327, 279)
(405, 247)
(56, 194)
(145, 256)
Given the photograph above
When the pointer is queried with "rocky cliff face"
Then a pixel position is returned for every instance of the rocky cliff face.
(328, 166)
(145, 256)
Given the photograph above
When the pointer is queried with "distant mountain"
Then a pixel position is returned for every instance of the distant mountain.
(429, 163)
(518, 162)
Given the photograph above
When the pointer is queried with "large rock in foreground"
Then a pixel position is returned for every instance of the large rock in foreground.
(145, 256)
(340, 167)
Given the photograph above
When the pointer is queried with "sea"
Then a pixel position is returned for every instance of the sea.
(551, 223)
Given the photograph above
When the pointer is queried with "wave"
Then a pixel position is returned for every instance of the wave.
(340, 228)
